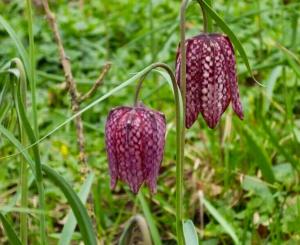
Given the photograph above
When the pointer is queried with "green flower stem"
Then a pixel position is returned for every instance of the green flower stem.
(207, 23)
(179, 144)
(179, 171)
(179, 222)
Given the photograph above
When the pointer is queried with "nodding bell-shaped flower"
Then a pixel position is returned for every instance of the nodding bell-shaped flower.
(211, 81)
(135, 139)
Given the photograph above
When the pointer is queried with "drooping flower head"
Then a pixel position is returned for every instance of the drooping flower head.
(211, 81)
(135, 139)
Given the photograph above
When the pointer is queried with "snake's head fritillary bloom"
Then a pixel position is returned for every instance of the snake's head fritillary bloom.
(211, 80)
(135, 139)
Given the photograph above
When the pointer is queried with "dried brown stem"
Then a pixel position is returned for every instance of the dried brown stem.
(97, 83)
(71, 84)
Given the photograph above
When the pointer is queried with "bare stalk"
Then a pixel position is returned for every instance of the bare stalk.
(76, 99)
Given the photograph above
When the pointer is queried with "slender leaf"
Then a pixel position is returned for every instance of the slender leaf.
(260, 155)
(221, 23)
(83, 220)
(275, 74)
(282, 150)
(32, 63)
(17, 42)
(150, 220)
(18, 145)
(10, 232)
(223, 222)
(69, 227)
(129, 231)
(190, 234)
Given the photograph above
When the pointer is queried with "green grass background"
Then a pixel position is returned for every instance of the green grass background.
(229, 164)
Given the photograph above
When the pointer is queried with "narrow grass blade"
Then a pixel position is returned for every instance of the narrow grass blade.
(129, 231)
(295, 66)
(190, 234)
(83, 220)
(18, 145)
(17, 42)
(31, 136)
(237, 44)
(226, 226)
(275, 74)
(275, 141)
(292, 59)
(150, 220)
(263, 161)
(69, 227)
(32, 64)
(10, 232)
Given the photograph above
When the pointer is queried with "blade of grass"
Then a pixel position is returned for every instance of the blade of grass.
(21, 111)
(18, 146)
(31, 74)
(150, 220)
(220, 219)
(83, 220)
(137, 220)
(69, 227)
(23, 167)
(282, 150)
(189, 232)
(17, 42)
(275, 74)
(10, 232)
(263, 161)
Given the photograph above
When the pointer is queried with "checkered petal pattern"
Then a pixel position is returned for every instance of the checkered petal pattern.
(211, 80)
(135, 139)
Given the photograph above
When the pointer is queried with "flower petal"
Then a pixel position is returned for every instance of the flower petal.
(215, 94)
(193, 74)
(154, 141)
(135, 144)
(231, 69)
(110, 140)
(129, 150)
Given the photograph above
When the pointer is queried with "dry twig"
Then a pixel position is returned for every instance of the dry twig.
(97, 83)
(71, 84)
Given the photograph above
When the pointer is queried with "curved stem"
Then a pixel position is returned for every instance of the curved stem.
(207, 23)
(179, 144)
(138, 89)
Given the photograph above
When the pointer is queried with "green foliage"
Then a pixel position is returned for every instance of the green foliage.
(248, 170)
(10, 232)
(190, 234)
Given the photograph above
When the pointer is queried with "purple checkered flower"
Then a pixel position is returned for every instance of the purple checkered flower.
(135, 139)
(211, 81)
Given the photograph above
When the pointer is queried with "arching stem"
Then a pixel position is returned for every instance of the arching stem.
(179, 143)
(138, 89)
(205, 24)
